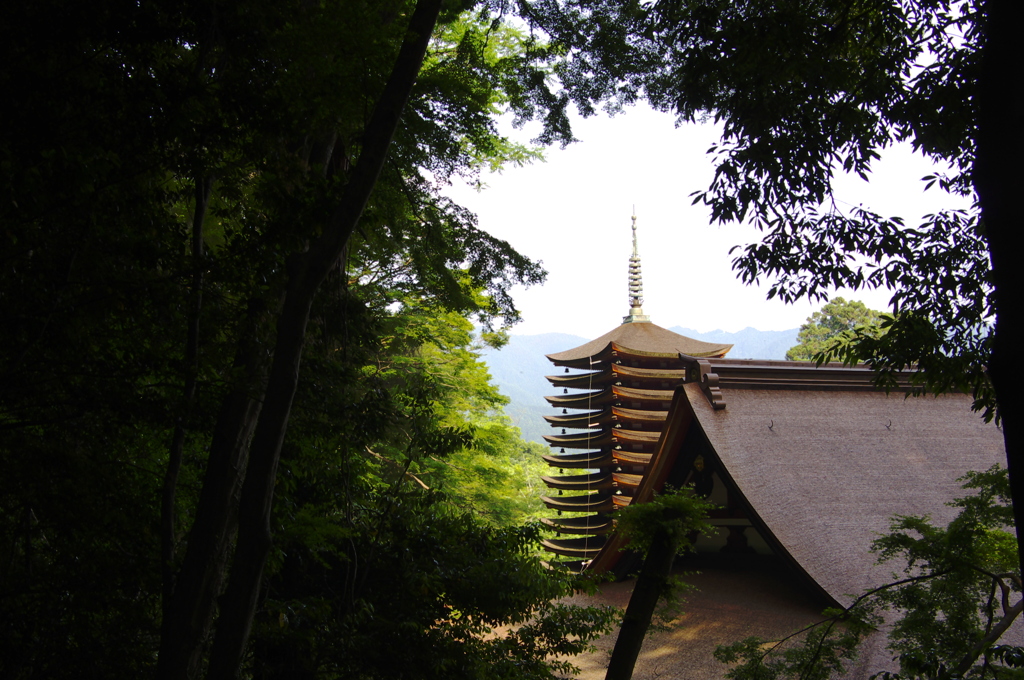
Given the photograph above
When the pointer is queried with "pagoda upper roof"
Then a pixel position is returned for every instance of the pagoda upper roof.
(645, 338)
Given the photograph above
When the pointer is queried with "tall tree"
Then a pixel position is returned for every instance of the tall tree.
(833, 323)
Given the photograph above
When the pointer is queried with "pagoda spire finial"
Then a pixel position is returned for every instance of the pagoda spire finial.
(636, 285)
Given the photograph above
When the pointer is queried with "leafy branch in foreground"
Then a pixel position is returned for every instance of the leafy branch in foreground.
(953, 604)
(659, 529)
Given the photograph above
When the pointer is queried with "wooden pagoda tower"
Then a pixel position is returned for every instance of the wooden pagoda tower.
(614, 396)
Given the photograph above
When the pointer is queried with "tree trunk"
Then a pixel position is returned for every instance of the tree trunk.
(187, 620)
(306, 272)
(651, 584)
(998, 181)
(168, 503)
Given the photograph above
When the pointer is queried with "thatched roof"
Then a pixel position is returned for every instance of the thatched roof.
(824, 471)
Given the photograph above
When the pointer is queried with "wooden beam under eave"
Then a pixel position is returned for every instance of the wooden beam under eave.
(680, 418)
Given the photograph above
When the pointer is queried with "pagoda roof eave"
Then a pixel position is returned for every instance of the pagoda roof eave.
(591, 524)
(586, 400)
(601, 439)
(636, 436)
(638, 415)
(627, 480)
(580, 420)
(642, 395)
(598, 502)
(632, 458)
(575, 547)
(575, 461)
(675, 374)
(581, 381)
(586, 482)
(646, 339)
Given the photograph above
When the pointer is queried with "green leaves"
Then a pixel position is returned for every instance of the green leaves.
(835, 324)
(805, 92)
(676, 513)
(414, 589)
(823, 651)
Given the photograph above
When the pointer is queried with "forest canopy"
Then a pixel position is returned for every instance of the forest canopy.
(238, 383)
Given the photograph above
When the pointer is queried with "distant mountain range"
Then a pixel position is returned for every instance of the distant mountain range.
(519, 367)
(748, 343)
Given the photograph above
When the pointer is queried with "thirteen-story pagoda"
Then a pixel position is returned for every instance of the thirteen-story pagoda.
(613, 399)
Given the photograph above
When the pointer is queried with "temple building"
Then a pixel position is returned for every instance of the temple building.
(807, 464)
(615, 393)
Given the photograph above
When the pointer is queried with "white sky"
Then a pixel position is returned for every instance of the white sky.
(573, 213)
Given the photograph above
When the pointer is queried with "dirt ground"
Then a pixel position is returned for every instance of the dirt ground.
(734, 600)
